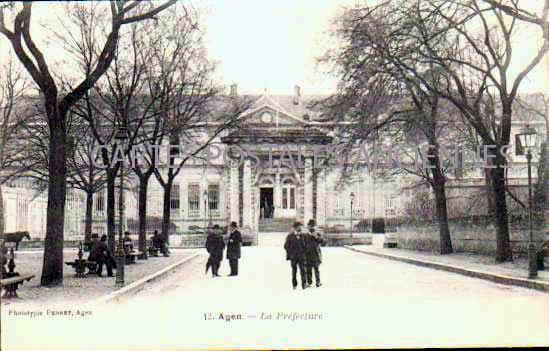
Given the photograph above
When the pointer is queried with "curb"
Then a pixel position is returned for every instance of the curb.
(496, 278)
(138, 285)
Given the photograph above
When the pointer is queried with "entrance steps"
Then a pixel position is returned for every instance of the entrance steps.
(270, 225)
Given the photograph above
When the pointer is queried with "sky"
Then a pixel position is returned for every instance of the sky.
(273, 45)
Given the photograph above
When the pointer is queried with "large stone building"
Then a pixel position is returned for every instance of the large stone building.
(265, 192)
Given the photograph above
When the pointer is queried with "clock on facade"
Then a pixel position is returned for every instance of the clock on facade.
(266, 117)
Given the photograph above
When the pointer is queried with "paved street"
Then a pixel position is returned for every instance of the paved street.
(364, 302)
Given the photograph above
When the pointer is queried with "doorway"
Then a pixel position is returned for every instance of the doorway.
(266, 201)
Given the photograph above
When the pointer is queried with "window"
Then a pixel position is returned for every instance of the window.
(519, 149)
(389, 202)
(292, 198)
(213, 197)
(288, 194)
(288, 197)
(194, 198)
(174, 197)
(100, 205)
(22, 214)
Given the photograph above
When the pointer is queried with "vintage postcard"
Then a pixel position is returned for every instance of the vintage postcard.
(290, 174)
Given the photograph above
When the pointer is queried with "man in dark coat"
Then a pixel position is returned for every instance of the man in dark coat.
(159, 243)
(215, 246)
(295, 253)
(101, 254)
(313, 256)
(233, 248)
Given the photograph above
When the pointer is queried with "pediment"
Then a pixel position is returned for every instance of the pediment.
(266, 112)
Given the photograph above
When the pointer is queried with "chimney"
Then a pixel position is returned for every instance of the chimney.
(297, 94)
(234, 89)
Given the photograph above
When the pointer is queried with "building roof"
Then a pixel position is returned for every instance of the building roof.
(277, 135)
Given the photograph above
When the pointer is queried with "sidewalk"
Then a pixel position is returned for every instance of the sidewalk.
(474, 265)
(81, 290)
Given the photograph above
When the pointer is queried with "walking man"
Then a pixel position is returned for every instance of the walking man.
(233, 248)
(101, 254)
(313, 255)
(215, 246)
(295, 253)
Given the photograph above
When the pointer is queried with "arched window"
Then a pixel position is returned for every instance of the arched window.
(288, 193)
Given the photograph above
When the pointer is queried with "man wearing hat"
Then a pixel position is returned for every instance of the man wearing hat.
(215, 246)
(313, 255)
(295, 253)
(233, 248)
(101, 254)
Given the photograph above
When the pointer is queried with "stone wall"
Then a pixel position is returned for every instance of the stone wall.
(474, 239)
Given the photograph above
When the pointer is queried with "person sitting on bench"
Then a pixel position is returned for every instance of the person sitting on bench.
(101, 254)
(128, 245)
(159, 243)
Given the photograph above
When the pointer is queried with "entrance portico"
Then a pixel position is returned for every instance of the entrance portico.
(272, 176)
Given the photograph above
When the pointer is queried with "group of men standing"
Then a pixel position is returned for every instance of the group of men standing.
(303, 251)
(215, 246)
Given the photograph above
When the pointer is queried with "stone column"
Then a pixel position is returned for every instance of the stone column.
(247, 195)
(321, 198)
(234, 196)
(277, 193)
(308, 191)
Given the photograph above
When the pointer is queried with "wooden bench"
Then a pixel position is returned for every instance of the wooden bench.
(80, 266)
(153, 251)
(12, 284)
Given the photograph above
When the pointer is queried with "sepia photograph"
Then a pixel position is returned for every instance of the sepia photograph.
(274, 175)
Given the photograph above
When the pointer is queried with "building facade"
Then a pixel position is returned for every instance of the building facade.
(264, 176)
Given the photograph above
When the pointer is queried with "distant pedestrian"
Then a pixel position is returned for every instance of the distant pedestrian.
(160, 244)
(215, 246)
(101, 254)
(128, 244)
(295, 253)
(233, 248)
(313, 255)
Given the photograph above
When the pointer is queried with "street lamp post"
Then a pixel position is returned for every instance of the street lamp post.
(528, 140)
(121, 138)
(205, 196)
(351, 224)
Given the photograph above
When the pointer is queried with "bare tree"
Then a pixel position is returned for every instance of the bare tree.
(57, 107)
(198, 118)
(511, 8)
(83, 170)
(170, 49)
(15, 113)
(377, 98)
(472, 46)
(120, 99)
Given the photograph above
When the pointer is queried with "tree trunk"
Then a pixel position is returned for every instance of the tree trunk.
(541, 194)
(142, 210)
(439, 189)
(89, 216)
(166, 211)
(1, 249)
(503, 243)
(1, 212)
(111, 178)
(52, 269)
(490, 200)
